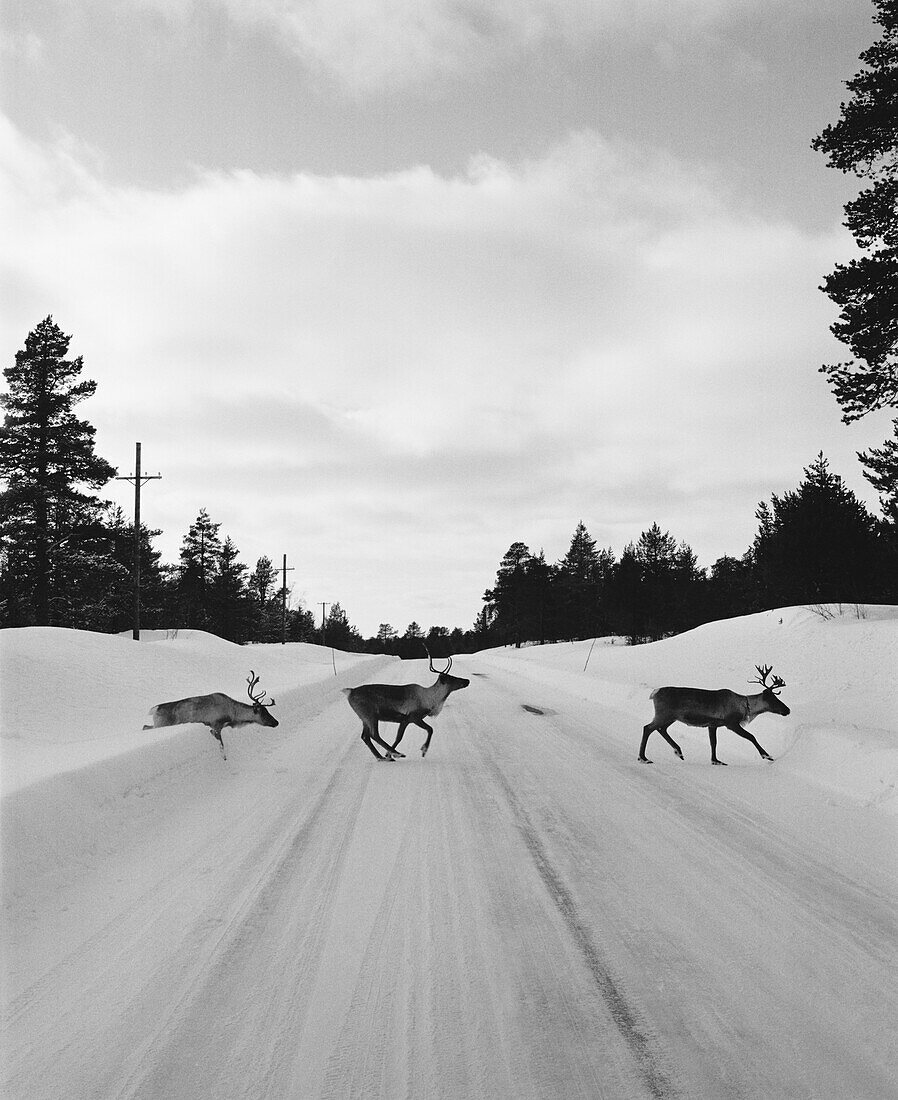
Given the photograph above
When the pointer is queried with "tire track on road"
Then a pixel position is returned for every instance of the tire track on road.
(151, 965)
(632, 1029)
(192, 1047)
(720, 817)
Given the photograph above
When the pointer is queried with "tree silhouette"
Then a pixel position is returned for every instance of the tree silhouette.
(47, 459)
(865, 142)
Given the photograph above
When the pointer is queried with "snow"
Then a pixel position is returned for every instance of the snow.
(528, 912)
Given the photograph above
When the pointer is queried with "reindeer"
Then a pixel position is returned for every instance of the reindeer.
(711, 709)
(215, 711)
(407, 704)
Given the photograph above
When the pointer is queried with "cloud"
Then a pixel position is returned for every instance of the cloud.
(372, 43)
(398, 376)
(367, 45)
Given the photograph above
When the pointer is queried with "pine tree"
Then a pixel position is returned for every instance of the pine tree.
(730, 590)
(339, 632)
(105, 582)
(627, 606)
(267, 613)
(230, 599)
(865, 142)
(508, 596)
(882, 473)
(47, 460)
(301, 625)
(657, 586)
(538, 613)
(199, 564)
(582, 576)
(818, 544)
(656, 554)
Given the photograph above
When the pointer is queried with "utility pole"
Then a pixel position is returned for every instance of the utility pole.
(284, 604)
(138, 480)
(323, 606)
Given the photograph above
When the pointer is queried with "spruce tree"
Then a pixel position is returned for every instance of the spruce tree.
(47, 461)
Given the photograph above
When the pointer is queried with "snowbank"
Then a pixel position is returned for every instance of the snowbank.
(73, 698)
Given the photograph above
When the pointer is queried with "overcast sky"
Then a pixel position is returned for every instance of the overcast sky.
(388, 285)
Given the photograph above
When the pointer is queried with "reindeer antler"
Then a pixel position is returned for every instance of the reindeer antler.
(252, 680)
(437, 671)
(778, 681)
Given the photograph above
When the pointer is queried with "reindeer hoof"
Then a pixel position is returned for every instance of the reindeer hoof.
(644, 760)
(769, 759)
(719, 763)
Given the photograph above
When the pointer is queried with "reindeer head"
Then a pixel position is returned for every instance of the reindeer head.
(454, 683)
(771, 690)
(260, 708)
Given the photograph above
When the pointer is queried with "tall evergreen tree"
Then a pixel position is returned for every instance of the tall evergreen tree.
(627, 605)
(538, 611)
(582, 578)
(47, 461)
(818, 544)
(656, 555)
(199, 564)
(266, 609)
(230, 612)
(508, 596)
(339, 632)
(656, 587)
(865, 142)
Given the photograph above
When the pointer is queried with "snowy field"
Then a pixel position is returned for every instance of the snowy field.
(526, 913)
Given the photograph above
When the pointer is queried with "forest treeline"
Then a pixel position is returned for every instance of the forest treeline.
(67, 556)
(816, 545)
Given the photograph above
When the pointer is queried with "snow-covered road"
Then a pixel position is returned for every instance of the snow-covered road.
(527, 913)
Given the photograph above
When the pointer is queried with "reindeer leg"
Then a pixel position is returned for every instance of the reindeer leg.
(374, 735)
(712, 734)
(646, 733)
(424, 726)
(736, 728)
(676, 748)
(399, 735)
(366, 737)
(216, 733)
